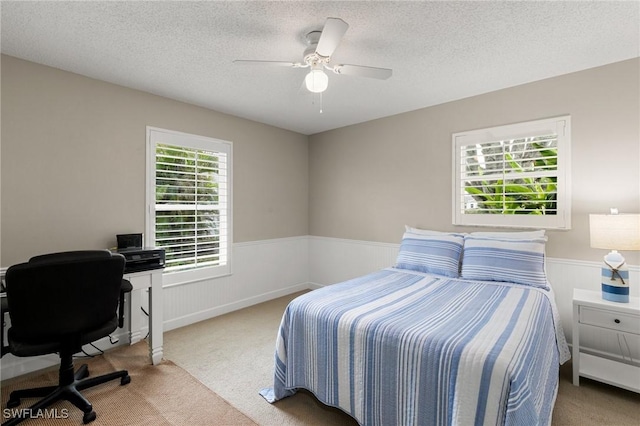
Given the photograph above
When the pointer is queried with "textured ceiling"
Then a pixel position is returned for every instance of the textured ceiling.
(439, 51)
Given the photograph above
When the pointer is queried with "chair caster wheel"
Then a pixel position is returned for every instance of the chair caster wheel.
(125, 380)
(12, 403)
(89, 417)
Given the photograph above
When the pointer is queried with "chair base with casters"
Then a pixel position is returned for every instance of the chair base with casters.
(69, 386)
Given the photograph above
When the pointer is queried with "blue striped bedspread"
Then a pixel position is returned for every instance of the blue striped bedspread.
(402, 348)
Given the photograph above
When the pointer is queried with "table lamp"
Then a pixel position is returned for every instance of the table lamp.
(615, 232)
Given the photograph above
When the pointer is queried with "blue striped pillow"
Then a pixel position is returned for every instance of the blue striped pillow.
(436, 254)
(506, 260)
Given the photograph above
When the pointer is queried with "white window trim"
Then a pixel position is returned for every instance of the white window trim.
(198, 142)
(562, 220)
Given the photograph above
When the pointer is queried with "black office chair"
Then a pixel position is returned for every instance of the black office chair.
(58, 303)
(125, 286)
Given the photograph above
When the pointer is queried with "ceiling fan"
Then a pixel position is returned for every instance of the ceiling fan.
(317, 57)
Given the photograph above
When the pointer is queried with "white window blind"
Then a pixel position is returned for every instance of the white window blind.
(516, 175)
(190, 201)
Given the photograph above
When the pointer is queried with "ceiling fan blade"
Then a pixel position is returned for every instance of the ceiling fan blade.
(334, 29)
(362, 71)
(277, 63)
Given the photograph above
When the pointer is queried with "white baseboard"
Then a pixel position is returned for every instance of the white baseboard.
(230, 307)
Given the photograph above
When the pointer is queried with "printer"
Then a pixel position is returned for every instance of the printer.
(141, 258)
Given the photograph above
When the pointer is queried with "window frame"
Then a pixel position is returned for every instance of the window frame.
(561, 126)
(157, 136)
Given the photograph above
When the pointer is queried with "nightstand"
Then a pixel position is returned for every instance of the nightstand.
(590, 309)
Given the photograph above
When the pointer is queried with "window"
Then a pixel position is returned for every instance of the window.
(515, 175)
(189, 203)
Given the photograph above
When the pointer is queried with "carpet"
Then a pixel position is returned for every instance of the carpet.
(164, 394)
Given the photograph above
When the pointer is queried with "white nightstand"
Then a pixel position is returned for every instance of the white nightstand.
(590, 309)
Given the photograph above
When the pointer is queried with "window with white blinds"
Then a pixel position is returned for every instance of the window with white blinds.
(189, 201)
(515, 175)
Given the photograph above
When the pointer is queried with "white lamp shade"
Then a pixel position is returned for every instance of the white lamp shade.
(615, 231)
(316, 81)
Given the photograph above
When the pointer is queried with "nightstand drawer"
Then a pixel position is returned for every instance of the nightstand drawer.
(610, 319)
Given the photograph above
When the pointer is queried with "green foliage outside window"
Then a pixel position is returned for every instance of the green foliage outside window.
(187, 206)
(512, 177)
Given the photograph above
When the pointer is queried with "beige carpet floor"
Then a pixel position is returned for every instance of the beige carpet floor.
(157, 395)
(233, 355)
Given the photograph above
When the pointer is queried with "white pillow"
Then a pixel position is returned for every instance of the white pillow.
(419, 231)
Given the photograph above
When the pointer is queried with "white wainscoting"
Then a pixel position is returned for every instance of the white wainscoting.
(268, 269)
(262, 270)
(333, 260)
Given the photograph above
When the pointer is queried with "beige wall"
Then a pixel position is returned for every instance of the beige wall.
(72, 171)
(73, 163)
(367, 181)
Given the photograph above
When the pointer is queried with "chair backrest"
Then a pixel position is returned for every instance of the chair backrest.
(51, 297)
(70, 255)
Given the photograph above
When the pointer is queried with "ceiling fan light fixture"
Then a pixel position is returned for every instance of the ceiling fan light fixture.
(316, 81)
(317, 57)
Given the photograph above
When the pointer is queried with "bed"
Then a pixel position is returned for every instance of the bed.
(463, 330)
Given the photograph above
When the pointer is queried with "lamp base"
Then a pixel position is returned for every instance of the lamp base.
(615, 278)
(615, 294)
